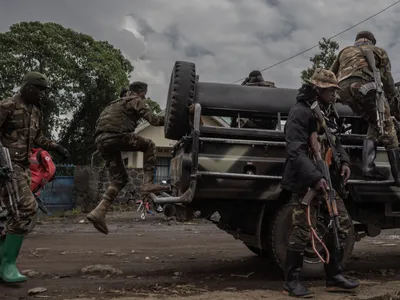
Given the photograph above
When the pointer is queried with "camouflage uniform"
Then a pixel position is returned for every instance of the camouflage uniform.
(300, 230)
(353, 71)
(115, 133)
(256, 79)
(300, 174)
(21, 122)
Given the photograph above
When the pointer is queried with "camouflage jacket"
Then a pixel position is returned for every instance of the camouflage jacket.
(352, 63)
(21, 129)
(122, 116)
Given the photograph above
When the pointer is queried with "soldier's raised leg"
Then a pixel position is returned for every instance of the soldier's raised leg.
(133, 142)
(16, 228)
(389, 139)
(335, 281)
(365, 106)
(118, 179)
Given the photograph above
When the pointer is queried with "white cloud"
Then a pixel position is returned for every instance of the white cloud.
(225, 38)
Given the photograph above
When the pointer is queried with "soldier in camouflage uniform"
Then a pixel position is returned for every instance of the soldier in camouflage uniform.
(115, 132)
(352, 71)
(21, 122)
(300, 174)
(256, 79)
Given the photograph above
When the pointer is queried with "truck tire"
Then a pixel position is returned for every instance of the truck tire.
(280, 229)
(181, 94)
(257, 251)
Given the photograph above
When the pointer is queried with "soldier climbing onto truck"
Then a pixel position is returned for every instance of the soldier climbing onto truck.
(255, 78)
(362, 69)
(115, 132)
(300, 175)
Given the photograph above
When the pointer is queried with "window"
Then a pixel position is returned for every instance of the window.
(162, 169)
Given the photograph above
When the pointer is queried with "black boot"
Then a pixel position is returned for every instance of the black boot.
(335, 281)
(293, 267)
(368, 156)
(394, 160)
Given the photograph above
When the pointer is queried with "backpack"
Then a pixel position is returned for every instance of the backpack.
(42, 168)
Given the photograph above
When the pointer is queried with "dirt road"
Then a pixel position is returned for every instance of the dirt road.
(156, 259)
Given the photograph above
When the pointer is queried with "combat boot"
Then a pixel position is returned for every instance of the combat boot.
(369, 154)
(394, 160)
(149, 186)
(10, 251)
(98, 216)
(293, 267)
(335, 281)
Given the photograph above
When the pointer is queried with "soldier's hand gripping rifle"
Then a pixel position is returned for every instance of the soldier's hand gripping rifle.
(377, 86)
(332, 153)
(8, 180)
(323, 166)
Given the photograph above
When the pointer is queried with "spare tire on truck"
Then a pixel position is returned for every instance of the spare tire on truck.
(181, 95)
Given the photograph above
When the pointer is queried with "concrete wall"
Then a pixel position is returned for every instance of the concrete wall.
(90, 184)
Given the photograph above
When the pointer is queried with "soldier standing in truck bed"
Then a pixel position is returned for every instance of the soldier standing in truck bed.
(300, 174)
(353, 72)
(115, 132)
(255, 78)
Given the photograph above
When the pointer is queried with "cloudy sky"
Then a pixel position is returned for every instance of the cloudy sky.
(225, 38)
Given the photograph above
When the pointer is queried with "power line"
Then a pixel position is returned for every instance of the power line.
(308, 49)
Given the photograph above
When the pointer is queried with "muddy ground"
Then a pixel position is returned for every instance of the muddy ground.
(159, 259)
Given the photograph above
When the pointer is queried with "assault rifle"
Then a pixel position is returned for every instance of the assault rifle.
(333, 155)
(323, 166)
(8, 179)
(377, 86)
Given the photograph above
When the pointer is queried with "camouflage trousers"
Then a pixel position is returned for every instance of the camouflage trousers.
(110, 147)
(365, 107)
(27, 205)
(300, 235)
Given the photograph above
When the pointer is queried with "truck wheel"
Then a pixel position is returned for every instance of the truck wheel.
(181, 94)
(261, 253)
(280, 229)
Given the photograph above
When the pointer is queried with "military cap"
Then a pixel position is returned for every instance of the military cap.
(36, 78)
(255, 73)
(323, 78)
(138, 86)
(366, 35)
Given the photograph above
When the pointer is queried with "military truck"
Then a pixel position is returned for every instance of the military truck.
(237, 171)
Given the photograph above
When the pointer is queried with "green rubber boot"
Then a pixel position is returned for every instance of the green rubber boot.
(10, 248)
(1, 248)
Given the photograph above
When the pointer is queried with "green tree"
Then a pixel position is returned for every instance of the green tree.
(85, 76)
(323, 59)
(155, 107)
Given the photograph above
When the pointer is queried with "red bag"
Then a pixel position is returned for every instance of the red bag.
(42, 168)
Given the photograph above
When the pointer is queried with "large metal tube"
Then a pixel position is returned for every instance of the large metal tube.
(232, 98)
